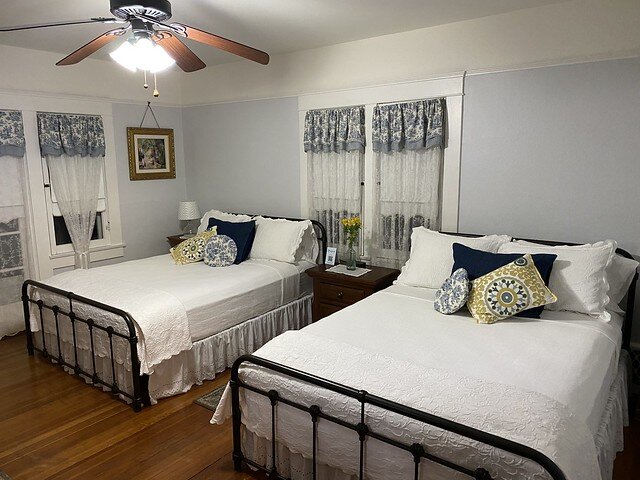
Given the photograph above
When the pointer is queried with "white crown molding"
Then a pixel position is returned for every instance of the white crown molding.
(635, 53)
(85, 98)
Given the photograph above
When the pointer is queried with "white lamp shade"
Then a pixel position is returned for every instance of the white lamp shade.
(188, 211)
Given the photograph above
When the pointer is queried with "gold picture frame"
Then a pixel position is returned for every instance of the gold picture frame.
(151, 153)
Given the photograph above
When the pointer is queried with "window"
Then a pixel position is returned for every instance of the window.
(394, 182)
(59, 236)
(334, 142)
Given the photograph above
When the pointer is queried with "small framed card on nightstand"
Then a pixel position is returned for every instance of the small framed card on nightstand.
(331, 256)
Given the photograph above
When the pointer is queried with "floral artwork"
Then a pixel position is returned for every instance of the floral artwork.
(151, 153)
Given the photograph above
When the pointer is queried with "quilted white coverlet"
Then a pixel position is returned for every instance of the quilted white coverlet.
(542, 383)
(159, 317)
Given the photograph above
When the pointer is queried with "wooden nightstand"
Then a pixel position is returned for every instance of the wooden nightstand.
(333, 291)
(175, 240)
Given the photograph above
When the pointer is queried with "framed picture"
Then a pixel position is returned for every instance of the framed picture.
(151, 153)
(331, 256)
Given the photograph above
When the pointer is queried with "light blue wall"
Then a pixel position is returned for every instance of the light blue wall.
(554, 153)
(244, 156)
(148, 208)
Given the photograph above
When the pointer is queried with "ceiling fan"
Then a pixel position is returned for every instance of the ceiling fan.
(152, 45)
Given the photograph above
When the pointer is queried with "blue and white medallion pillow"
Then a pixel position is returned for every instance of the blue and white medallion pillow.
(453, 293)
(220, 251)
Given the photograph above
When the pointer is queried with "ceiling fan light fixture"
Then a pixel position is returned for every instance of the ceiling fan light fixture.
(142, 54)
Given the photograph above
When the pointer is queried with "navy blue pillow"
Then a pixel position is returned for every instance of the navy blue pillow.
(478, 263)
(242, 233)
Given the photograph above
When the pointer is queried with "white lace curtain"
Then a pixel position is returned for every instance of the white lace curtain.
(76, 183)
(334, 142)
(408, 152)
(15, 257)
(74, 147)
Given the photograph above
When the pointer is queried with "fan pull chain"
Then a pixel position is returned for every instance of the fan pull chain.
(156, 93)
(146, 85)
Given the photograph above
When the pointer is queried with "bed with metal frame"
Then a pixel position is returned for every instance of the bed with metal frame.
(415, 452)
(139, 397)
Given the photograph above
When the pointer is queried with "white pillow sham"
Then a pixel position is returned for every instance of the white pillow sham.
(278, 239)
(579, 274)
(620, 274)
(309, 248)
(226, 217)
(431, 258)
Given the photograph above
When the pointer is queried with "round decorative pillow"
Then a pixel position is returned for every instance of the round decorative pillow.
(220, 251)
(192, 249)
(453, 293)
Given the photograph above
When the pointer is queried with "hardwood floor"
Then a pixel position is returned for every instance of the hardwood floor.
(54, 426)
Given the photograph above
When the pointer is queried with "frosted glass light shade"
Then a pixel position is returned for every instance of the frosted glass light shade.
(142, 54)
(188, 211)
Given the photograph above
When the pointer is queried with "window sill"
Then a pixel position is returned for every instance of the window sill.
(104, 252)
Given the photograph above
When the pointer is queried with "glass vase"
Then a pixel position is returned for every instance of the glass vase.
(352, 257)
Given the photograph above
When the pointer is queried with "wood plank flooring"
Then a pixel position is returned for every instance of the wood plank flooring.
(54, 426)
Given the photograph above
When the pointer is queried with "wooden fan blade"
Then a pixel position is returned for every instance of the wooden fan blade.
(59, 24)
(222, 43)
(184, 57)
(92, 47)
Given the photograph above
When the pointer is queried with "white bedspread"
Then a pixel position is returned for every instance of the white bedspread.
(543, 382)
(159, 317)
(216, 299)
(175, 305)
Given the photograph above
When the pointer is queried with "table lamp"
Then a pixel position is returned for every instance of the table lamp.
(188, 211)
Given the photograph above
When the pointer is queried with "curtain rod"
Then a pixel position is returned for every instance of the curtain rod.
(409, 101)
(67, 113)
(395, 102)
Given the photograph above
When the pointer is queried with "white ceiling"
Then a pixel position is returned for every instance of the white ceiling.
(275, 26)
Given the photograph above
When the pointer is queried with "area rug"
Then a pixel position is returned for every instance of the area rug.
(210, 400)
(4, 476)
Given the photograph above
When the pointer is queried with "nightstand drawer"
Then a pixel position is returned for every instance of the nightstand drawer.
(326, 309)
(339, 294)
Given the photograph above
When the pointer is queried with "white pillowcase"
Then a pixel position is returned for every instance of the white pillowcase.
(309, 248)
(431, 258)
(620, 274)
(226, 217)
(278, 239)
(579, 274)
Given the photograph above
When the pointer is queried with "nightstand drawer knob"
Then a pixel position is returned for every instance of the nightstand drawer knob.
(340, 295)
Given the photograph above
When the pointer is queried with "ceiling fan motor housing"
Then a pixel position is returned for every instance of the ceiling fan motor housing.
(159, 10)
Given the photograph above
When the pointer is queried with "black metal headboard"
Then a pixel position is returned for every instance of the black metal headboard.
(627, 326)
(321, 232)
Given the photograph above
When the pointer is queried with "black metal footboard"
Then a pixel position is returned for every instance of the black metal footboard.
(415, 452)
(140, 395)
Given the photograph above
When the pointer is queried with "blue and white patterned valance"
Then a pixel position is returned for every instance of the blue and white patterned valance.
(334, 130)
(11, 133)
(69, 134)
(412, 125)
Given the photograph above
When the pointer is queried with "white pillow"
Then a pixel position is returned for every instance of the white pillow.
(431, 258)
(309, 248)
(227, 217)
(579, 274)
(278, 239)
(620, 274)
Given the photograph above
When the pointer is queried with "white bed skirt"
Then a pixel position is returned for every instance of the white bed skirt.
(207, 358)
(609, 441)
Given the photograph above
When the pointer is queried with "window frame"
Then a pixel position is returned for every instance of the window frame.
(450, 87)
(46, 259)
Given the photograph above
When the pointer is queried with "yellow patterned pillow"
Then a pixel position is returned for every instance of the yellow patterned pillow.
(508, 290)
(192, 249)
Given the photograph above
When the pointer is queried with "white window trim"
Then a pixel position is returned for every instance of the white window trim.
(46, 261)
(451, 87)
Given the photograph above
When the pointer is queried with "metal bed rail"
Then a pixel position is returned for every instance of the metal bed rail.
(140, 395)
(415, 452)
